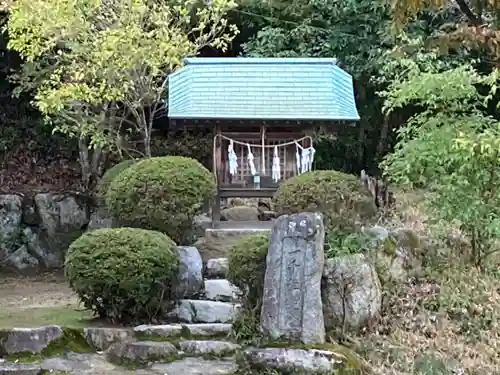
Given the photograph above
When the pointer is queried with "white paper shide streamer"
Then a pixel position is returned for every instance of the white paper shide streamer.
(250, 161)
(233, 159)
(304, 158)
(276, 170)
(297, 156)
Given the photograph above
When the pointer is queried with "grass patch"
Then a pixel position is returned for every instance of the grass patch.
(67, 316)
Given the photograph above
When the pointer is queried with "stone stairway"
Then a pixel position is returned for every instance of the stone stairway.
(197, 345)
(172, 349)
(200, 344)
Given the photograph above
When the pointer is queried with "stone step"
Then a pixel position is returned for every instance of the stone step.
(184, 330)
(198, 311)
(221, 290)
(95, 364)
(197, 366)
(71, 364)
(141, 353)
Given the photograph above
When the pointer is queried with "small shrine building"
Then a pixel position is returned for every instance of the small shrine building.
(263, 112)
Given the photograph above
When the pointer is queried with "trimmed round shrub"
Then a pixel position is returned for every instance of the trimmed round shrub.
(161, 193)
(109, 175)
(122, 274)
(247, 267)
(340, 197)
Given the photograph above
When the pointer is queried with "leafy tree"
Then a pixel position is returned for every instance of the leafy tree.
(474, 27)
(99, 67)
(451, 147)
(354, 32)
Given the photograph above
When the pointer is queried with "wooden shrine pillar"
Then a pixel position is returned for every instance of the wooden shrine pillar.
(217, 169)
(263, 150)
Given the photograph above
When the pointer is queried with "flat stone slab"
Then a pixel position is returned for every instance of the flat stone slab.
(141, 352)
(103, 338)
(194, 311)
(19, 369)
(184, 330)
(72, 364)
(196, 366)
(295, 360)
(206, 347)
(33, 340)
(221, 290)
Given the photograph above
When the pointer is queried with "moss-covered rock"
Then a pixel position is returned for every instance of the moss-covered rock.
(341, 198)
(34, 344)
(161, 193)
(288, 359)
(122, 274)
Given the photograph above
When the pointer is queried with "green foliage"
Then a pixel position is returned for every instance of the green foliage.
(247, 268)
(83, 57)
(429, 365)
(161, 193)
(245, 328)
(109, 176)
(451, 148)
(320, 29)
(341, 197)
(122, 274)
(340, 242)
(196, 144)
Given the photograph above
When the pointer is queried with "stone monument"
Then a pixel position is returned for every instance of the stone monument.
(292, 308)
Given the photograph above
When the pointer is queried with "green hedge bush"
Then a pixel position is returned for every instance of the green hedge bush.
(122, 274)
(247, 267)
(161, 193)
(109, 175)
(341, 198)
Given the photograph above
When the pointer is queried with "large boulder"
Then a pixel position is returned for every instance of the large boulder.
(35, 232)
(28, 340)
(240, 213)
(352, 295)
(22, 248)
(395, 253)
(303, 361)
(11, 215)
(189, 281)
(291, 307)
(64, 217)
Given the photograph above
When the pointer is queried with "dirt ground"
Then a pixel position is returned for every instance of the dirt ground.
(49, 290)
(36, 301)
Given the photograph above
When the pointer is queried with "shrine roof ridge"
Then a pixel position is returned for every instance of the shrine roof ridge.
(259, 60)
(249, 88)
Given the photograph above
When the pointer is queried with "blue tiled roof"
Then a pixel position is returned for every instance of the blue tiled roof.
(261, 88)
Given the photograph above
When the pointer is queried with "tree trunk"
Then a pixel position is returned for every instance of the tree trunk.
(83, 153)
(382, 142)
(90, 162)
